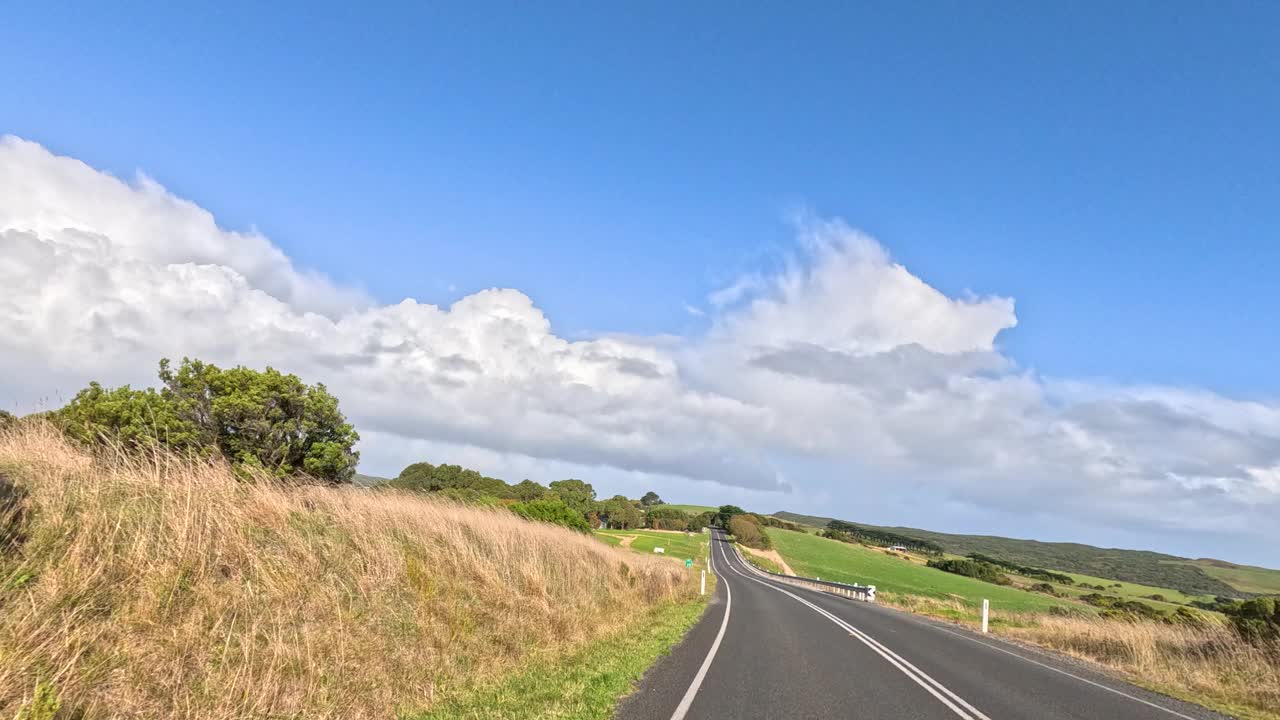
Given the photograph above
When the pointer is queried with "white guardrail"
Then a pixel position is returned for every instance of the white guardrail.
(866, 593)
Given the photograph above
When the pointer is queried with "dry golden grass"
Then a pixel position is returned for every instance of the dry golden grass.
(159, 587)
(1209, 664)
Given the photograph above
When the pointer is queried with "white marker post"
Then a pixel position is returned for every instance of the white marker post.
(986, 607)
(704, 583)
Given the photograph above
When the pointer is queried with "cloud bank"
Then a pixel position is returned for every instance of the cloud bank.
(839, 372)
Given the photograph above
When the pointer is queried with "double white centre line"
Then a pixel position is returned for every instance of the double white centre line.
(956, 703)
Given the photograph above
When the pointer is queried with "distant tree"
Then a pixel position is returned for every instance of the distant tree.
(425, 477)
(702, 520)
(651, 498)
(552, 510)
(527, 490)
(6, 419)
(725, 512)
(666, 518)
(576, 494)
(621, 513)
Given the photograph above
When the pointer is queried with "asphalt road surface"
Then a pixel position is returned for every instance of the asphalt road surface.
(767, 649)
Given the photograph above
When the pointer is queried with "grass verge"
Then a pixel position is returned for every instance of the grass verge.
(584, 686)
(1208, 664)
(154, 586)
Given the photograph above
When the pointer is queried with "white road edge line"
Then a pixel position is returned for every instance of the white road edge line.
(1046, 666)
(1060, 671)
(915, 674)
(692, 692)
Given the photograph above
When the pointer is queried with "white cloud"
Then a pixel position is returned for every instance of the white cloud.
(841, 375)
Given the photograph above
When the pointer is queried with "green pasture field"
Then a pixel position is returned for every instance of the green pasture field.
(812, 556)
(678, 546)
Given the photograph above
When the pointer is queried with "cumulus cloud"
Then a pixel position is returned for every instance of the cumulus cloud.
(835, 373)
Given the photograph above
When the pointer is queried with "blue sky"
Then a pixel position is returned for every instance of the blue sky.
(1114, 170)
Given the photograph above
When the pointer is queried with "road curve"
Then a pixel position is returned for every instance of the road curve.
(767, 649)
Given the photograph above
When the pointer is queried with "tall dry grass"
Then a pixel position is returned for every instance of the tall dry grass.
(159, 587)
(1208, 663)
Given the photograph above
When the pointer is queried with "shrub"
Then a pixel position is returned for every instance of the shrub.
(702, 520)
(972, 568)
(1045, 588)
(552, 511)
(1256, 620)
(748, 533)
(258, 420)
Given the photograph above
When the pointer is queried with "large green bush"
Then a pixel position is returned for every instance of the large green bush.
(264, 420)
(1257, 619)
(747, 532)
(552, 511)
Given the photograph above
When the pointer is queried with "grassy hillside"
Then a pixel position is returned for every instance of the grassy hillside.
(1195, 578)
(155, 587)
(693, 509)
(1242, 577)
(367, 480)
(812, 556)
(678, 546)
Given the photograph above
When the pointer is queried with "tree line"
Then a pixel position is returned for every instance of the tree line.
(269, 424)
(851, 533)
(1024, 570)
(571, 502)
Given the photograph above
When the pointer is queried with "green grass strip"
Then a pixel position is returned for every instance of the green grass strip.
(583, 686)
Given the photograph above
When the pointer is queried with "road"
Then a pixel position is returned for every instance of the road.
(767, 649)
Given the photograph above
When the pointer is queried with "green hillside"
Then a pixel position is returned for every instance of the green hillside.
(678, 546)
(367, 480)
(1242, 577)
(812, 556)
(1192, 577)
(692, 509)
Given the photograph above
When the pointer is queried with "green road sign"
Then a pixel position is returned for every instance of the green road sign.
(688, 562)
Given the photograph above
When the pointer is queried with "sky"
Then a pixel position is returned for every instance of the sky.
(980, 267)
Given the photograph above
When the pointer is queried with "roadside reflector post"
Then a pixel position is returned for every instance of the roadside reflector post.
(704, 583)
(986, 608)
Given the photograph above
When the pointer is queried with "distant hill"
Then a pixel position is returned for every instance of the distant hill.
(691, 509)
(367, 480)
(1194, 577)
